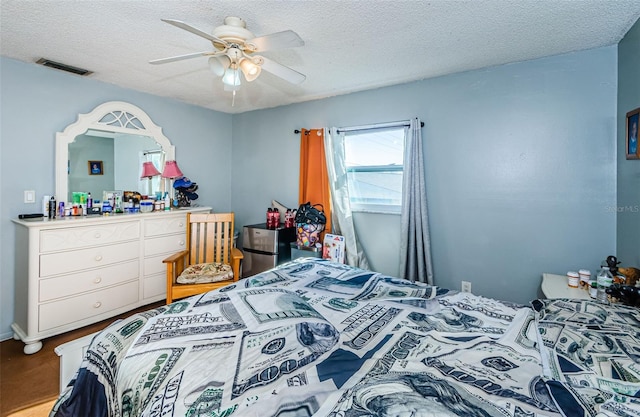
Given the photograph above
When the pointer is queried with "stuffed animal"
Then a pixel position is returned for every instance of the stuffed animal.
(632, 275)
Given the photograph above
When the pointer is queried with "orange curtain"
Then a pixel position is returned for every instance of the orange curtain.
(314, 178)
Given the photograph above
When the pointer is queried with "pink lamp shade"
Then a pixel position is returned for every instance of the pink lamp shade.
(171, 170)
(149, 170)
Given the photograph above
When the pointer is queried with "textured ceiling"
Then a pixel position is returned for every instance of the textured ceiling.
(349, 45)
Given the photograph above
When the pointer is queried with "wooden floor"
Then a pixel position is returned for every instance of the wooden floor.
(29, 381)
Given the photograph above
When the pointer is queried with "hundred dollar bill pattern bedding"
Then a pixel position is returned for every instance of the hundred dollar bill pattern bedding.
(316, 338)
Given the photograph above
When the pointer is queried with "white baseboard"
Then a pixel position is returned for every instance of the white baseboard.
(6, 336)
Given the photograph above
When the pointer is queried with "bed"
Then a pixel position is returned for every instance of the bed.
(317, 338)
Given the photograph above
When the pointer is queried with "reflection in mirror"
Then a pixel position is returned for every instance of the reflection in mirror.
(117, 136)
(121, 157)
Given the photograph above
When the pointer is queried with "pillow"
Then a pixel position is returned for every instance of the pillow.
(281, 208)
(207, 272)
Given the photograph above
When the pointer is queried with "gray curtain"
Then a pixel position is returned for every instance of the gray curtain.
(341, 216)
(415, 244)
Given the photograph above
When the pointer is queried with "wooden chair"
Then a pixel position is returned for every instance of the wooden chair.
(209, 239)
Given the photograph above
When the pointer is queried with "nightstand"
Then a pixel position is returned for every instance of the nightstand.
(555, 286)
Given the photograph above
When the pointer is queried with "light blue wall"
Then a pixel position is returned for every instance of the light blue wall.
(520, 163)
(628, 235)
(37, 102)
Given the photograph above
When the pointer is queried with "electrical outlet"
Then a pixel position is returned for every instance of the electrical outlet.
(466, 286)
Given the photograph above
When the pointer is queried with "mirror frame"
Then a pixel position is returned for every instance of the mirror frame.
(112, 116)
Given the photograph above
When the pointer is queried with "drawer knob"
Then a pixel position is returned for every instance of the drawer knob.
(98, 235)
(97, 280)
(97, 304)
(181, 224)
(181, 243)
(98, 258)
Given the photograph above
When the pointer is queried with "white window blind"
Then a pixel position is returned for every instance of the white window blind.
(374, 164)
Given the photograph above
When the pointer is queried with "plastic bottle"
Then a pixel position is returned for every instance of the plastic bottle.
(89, 201)
(605, 279)
(270, 224)
(167, 202)
(45, 205)
(52, 208)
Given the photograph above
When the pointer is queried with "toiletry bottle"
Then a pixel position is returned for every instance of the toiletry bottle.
(89, 201)
(52, 207)
(117, 208)
(167, 202)
(45, 205)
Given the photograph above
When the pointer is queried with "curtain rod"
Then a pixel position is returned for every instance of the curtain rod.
(377, 126)
(368, 127)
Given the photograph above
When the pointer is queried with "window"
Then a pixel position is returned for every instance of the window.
(374, 164)
(157, 157)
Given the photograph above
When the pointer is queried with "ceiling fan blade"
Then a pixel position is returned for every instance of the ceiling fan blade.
(189, 28)
(278, 40)
(279, 70)
(180, 57)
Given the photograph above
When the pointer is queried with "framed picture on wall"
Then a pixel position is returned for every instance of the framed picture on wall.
(95, 168)
(631, 136)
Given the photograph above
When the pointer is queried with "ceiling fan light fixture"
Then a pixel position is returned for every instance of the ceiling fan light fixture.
(219, 64)
(250, 70)
(231, 78)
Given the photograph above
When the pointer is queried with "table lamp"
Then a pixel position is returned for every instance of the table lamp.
(171, 172)
(149, 171)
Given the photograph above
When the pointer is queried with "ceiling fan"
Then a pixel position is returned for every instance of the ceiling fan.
(234, 52)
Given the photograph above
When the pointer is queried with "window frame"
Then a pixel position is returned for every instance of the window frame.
(394, 209)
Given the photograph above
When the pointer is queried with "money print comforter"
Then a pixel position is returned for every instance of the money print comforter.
(316, 338)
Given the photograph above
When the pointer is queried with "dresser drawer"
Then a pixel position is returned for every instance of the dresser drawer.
(154, 265)
(91, 280)
(83, 259)
(81, 237)
(155, 286)
(157, 227)
(81, 307)
(165, 244)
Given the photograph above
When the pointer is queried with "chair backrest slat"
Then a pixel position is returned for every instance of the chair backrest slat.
(210, 237)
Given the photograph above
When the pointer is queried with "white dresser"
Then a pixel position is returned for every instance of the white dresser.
(76, 271)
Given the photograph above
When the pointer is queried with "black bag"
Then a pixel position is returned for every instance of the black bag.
(310, 214)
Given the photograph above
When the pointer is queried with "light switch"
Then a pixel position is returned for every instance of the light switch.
(29, 196)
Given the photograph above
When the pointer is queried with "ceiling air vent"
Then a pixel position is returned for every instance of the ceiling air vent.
(63, 67)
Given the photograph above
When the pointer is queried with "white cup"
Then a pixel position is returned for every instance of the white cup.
(572, 279)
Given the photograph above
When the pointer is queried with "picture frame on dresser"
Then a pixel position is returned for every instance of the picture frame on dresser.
(631, 134)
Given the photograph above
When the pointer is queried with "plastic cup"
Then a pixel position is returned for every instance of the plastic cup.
(573, 278)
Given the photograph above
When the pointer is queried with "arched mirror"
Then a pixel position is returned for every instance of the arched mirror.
(104, 150)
